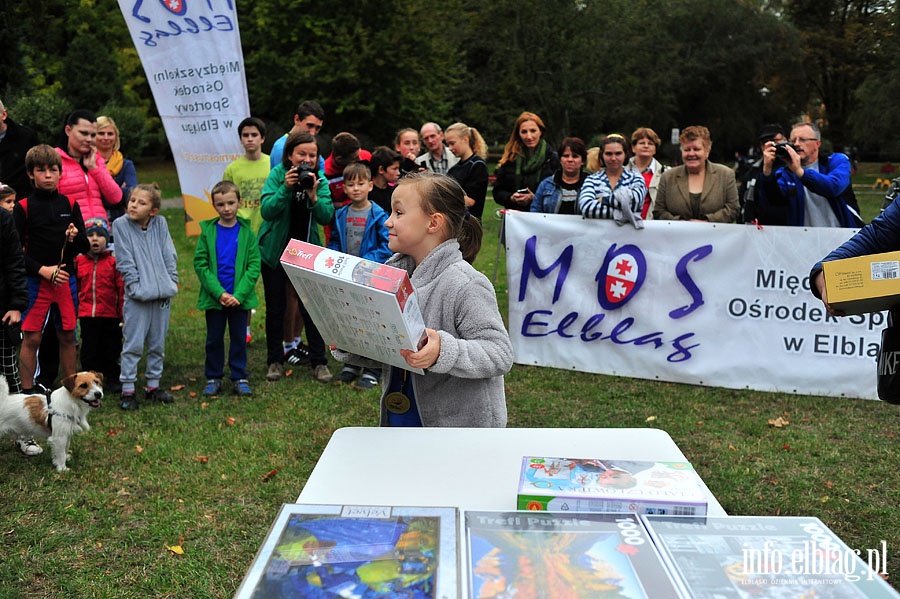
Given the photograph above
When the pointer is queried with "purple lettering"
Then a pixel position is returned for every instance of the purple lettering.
(684, 277)
(530, 266)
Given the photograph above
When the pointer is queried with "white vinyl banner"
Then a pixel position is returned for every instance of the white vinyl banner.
(191, 53)
(699, 303)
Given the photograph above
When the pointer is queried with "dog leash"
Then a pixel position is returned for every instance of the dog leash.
(62, 254)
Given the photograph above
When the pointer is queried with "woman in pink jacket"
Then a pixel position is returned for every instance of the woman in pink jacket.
(85, 178)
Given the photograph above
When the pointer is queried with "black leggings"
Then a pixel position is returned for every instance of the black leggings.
(275, 282)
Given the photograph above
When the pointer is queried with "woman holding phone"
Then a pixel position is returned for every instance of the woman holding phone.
(527, 160)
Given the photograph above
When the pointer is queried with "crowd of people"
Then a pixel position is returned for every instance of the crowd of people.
(82, 244)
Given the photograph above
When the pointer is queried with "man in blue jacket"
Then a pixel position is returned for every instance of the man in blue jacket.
(815, 189)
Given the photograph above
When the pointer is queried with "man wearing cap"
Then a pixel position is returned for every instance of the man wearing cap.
(814, 188)
(101, 294)
(751, 210)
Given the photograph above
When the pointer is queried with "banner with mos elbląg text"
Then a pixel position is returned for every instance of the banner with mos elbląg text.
(191, 53)
(700, 303)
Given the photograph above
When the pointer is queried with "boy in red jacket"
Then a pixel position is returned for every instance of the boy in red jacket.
(100, 297)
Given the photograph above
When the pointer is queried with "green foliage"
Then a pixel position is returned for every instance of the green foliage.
(586, 67)
(134, 127)
(375, 68)
(589, 68)
(843, 42)
(45, 113)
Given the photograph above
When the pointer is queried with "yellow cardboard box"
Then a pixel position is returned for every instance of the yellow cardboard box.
(863, 284)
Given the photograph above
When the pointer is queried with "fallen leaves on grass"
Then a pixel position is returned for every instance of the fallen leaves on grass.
(204, 405)
(231, 421)
(176, 387)
(177, 549)
(288, 372)
(138, 449)
(779, 422)
(650, 419)
(268, 475)
(203, 459)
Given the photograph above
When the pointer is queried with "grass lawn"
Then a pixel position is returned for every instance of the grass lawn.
(208, 476)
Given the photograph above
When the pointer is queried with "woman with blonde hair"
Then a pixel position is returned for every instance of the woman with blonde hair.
(121, 169)
(527, 160)
(698, 189)
(471, 172)
(644, 144)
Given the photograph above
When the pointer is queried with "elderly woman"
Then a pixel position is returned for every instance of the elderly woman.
(527, 160)
(645, 143)
(121, 169)
(558, 194)
(699, 189)
(613, 192)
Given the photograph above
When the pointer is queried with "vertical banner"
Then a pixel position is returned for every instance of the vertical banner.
(191, 53)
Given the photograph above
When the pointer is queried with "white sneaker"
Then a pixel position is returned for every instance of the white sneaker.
(28, 447)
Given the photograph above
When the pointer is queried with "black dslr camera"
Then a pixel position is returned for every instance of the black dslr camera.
(781, 150)
(306, 178)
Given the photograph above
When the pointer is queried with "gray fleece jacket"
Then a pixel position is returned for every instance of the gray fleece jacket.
(465, 386)
(146, 259)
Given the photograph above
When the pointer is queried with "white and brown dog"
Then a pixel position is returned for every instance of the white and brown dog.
(58, 419)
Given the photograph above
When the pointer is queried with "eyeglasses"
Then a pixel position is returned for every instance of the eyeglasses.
(802, 140)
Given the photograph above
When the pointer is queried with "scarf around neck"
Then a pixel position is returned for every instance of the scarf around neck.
(115, 163)
(528, 168)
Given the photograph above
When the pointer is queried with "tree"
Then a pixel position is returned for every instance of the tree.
(590, 67)
(842, 43)
(374, 68)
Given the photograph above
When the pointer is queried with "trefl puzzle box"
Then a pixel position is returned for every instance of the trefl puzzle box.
(359, 306)
(602, 485)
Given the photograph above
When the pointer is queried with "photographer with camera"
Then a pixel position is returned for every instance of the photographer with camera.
(295, 201)
(752, 212)
(815, 189)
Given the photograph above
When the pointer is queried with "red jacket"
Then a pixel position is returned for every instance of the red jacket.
(100, 288)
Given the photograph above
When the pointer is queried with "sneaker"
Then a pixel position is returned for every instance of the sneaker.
(242, 388)
(213, 387)
(367, 381)
(159, 394)
(298, 356)
(348, 374)
(322, 374)
(276, 371)
(128, 401)
(28, 447)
